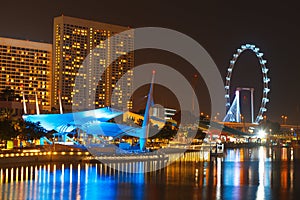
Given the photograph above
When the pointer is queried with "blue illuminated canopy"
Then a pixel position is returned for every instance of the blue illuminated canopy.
(91, 121)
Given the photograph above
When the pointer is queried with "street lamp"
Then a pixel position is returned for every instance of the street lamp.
(207, 117)
(242, 118)
(265, 118)
(284, 118)
(216, 117)
(193, 96)
(292, 131)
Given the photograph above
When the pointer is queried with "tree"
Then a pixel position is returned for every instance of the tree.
(269, 125)
(7, 130)
(130, 122)
(153, 130)
(11, 129)
(32, 131)
(200, 134)
(6, 113)
(140, 122)
(8, 94)
(167, 132)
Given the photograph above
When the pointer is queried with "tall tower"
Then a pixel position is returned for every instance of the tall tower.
(80, 44)
(25, 68)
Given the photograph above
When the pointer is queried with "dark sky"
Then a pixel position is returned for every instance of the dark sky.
(220, 27)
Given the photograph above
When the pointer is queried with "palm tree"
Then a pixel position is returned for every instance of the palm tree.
(31, 130)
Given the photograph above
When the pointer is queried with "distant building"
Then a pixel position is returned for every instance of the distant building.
(169, 113)
(162, 113)
(158, 111)
(81, 51)
(25, 67)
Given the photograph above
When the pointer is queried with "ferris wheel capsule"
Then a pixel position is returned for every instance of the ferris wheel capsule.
(265, 70)
(263, 62)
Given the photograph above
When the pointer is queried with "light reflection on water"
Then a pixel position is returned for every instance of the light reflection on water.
(256, 173)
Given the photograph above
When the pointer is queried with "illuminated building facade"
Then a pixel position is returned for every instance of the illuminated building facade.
(25, 67)
(81, 45)
(169, 113)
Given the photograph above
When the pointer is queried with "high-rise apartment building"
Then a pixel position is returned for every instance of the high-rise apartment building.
(25, 67)
(89, 59)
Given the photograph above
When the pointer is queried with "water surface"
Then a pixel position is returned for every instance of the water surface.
(256, 173)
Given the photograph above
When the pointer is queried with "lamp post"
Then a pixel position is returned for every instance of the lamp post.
(284, 118)
(216, 117)
(265, 119)
(193, 96)
(243, 121)
(207, 117)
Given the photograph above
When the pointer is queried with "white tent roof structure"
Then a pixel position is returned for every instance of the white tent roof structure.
(91, 121)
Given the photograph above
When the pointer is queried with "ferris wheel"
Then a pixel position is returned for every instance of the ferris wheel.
(265, 80)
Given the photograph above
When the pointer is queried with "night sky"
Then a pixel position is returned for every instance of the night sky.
(220, 27)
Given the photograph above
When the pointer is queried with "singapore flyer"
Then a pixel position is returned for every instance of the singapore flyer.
(265, 80)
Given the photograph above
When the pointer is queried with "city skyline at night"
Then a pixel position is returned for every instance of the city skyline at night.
(149, 99)
(219, 27)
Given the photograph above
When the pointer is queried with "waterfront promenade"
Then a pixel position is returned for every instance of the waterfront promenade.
(61, 153)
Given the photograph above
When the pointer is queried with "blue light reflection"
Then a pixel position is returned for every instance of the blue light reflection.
(70, 181)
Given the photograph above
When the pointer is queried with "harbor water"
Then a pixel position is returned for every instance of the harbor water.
(243, 173)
